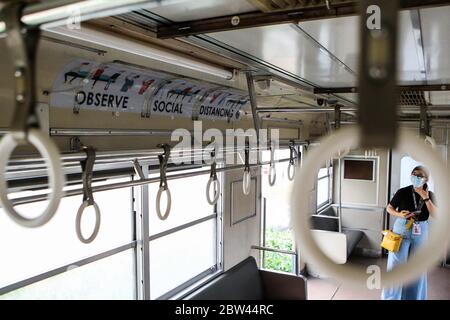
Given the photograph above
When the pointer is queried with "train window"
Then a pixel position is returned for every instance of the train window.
(323, 187)
(44, 252)
(182, 199)
(182, 257)
(109, 278)
(361, 169)
(184, 247)
(277, 232)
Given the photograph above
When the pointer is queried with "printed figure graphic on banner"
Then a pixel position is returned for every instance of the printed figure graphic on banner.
(81, 71)
(226, 105)
(90, 85)
(113, 79)
(145, 85)
(176, 97)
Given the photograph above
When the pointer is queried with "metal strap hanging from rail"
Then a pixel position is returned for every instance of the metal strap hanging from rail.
(22, 43)
(213, 180)
(291, 167)
(87, 166)
(163, 187)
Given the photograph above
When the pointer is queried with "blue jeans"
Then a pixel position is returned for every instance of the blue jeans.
(416, 290)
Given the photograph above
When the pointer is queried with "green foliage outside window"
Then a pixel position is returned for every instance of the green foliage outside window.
(279, 239)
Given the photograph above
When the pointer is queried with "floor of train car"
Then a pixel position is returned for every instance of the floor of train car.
(322, 289)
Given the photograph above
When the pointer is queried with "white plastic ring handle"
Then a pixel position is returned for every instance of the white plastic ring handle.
(55, 176)
(291, 171)
(272, 175)
(426, 256)
(158, 203)
(212, 201)
(246, 183)
(83, 206)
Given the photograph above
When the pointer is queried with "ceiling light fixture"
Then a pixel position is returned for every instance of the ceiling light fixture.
(45, 14)
(108, 40)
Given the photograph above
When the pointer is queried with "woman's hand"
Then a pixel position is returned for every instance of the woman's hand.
(423, 193)
(406, 214)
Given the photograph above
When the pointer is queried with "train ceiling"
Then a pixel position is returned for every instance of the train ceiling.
(311, 44)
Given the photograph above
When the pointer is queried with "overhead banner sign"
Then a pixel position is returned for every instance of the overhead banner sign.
(118, 87)
(222, 105)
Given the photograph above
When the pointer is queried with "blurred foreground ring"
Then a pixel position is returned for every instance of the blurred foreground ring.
(429, 253)
(55, 176)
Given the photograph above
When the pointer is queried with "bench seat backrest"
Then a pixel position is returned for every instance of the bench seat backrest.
(242, 282)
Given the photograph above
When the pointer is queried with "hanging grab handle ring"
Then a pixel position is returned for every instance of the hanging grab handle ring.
(213, 179)
(163, 161)
(272, 170)
(25, 127)
(87, 166)
(246, 179)
(291, 167)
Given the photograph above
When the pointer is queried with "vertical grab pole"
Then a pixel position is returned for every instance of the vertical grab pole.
(377, 73)
(337, 126)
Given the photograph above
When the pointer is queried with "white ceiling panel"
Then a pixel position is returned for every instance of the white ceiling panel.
(325, 52)
(287, 47)
(186, 10)
(341, 37)
(411, 59)
(436, 39)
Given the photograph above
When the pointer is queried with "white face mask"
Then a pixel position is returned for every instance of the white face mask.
(417, 182)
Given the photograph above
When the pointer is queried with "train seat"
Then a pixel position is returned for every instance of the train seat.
(246, 282)
(337, 245)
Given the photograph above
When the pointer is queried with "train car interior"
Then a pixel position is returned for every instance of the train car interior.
(224, 150)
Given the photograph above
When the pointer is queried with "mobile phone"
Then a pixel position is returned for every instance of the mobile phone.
(417, 212)
(425, 187)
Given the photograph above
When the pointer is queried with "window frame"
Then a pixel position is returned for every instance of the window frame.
(198, 280)
(329, 176)
(295, 262)
(139, 211)
(57, 270)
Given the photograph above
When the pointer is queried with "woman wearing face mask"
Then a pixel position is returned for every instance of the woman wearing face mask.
(412, 205)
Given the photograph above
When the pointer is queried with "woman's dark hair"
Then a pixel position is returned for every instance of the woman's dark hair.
(423, 169)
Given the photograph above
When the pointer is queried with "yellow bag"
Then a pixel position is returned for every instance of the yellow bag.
(392, 241)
